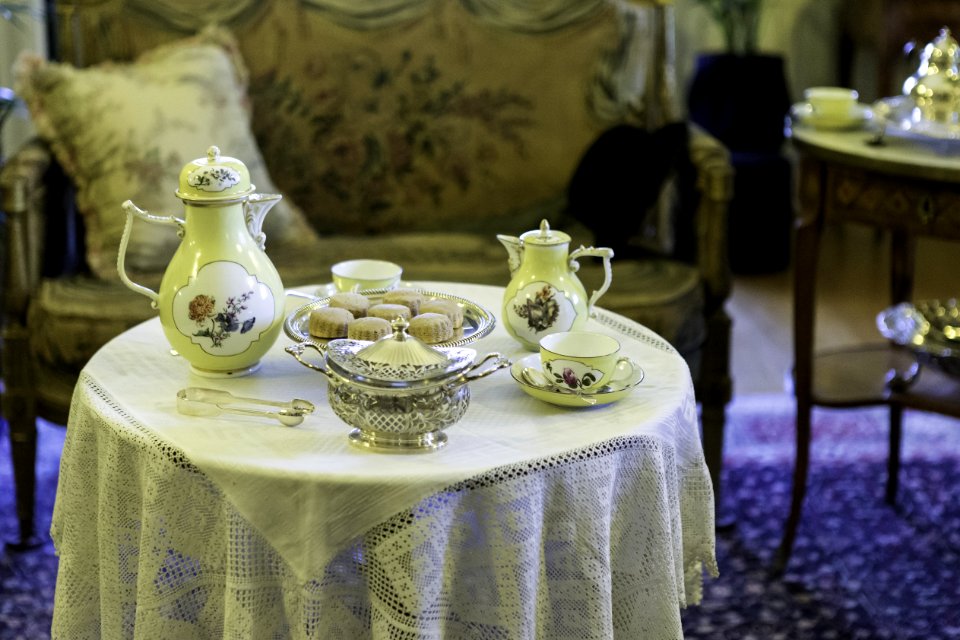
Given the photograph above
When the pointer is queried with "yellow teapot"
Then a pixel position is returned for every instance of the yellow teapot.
(221, 299)
(544, 295)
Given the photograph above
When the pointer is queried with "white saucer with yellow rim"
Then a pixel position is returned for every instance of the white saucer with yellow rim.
(859, 115)
(612, 392)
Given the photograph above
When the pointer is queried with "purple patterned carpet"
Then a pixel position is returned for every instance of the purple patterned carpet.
(860, 570)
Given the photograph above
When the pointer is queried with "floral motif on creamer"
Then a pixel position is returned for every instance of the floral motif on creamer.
(220, 325)
(542, 311)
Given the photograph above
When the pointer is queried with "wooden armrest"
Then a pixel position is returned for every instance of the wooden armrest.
(22, 201)
(715, 185)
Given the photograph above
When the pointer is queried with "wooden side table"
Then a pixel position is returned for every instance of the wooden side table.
(910, 190)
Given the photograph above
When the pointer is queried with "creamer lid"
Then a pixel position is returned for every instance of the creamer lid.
(545, 236)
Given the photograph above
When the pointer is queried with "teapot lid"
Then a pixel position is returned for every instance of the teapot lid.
(216, 178)
(545, 236)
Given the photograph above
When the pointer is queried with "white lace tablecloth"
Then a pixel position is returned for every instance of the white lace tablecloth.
(535, 521)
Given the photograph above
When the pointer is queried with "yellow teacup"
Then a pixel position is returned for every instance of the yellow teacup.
(583, 360)
(361, 275)
(832, 103)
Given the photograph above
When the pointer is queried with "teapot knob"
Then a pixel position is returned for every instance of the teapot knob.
(213, 154)
(544, 228)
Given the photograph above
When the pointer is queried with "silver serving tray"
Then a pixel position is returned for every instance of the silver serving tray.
(896, 115)
(931, 329)
(477, 321)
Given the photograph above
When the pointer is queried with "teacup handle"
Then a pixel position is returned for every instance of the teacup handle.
(623, 370)
(598, 252)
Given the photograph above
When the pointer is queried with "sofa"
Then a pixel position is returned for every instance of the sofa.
(413, 131)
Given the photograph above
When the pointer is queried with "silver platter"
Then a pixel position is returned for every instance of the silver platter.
(477, 321)
(931, 329)
(899, 118)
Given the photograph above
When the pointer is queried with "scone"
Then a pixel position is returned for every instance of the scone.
(407, 297)
(355, 303)
(448, 308)
(389, 312)
(431, 327)
(329, 322)
(369, 328)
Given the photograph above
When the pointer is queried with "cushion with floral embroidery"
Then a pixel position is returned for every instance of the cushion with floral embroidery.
(124, 131)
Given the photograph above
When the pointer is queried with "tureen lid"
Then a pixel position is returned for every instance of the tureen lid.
(545, 236)
(397, 358)
(214, 178)
(401, 349)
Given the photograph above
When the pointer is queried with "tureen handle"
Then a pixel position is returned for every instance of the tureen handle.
(296, 350)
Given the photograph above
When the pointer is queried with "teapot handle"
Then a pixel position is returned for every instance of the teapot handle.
(597, 252)
(133, 210)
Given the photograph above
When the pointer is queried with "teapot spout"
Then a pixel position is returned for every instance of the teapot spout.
(514, 247)
(255, 209)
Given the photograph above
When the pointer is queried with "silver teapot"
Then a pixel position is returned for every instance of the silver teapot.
(935, 87)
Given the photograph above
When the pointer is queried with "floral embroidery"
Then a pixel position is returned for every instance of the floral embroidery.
(398, 135)
(222, 324)
(541, 312)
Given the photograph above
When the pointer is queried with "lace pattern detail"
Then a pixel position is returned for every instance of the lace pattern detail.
(629, 328)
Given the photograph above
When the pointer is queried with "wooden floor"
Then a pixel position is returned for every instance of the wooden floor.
(852, 288)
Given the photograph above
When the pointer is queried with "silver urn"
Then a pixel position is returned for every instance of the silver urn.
(935, 87)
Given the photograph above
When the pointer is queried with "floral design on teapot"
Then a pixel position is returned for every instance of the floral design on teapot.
(542, 311)
(222, 324)
(224, 309)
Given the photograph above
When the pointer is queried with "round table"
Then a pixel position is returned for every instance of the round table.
(534, 521)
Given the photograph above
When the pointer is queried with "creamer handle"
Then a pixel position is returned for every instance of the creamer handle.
(133, 210)
(597, 252)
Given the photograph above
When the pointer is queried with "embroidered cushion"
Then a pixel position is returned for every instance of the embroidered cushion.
(124, 131)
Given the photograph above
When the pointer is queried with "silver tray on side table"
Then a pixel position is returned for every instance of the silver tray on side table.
(931, 329)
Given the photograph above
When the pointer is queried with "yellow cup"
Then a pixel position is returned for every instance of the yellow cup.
(832, 103)
(583, 360)
(361, 275)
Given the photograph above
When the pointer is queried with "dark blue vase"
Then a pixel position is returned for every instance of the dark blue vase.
(741, 99)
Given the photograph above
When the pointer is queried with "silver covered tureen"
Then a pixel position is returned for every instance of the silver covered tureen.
(398, 393)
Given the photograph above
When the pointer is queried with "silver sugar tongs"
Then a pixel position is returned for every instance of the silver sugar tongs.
(198, 401)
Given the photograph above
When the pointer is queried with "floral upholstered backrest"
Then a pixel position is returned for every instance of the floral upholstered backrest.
(415, 115)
